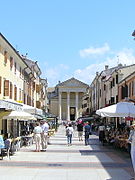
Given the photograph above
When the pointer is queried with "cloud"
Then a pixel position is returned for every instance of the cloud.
(94, 51)
(87, 75)
(55, 73)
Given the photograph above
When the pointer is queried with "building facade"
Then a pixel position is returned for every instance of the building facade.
(66, 99)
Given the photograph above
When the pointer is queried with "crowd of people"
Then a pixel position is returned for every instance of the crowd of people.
(82, 128)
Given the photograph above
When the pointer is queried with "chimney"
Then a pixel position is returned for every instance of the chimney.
(106, 67)
(97, 73)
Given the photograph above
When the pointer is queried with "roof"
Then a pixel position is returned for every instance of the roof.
(72, 79)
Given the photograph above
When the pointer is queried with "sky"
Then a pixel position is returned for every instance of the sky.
(71, 38)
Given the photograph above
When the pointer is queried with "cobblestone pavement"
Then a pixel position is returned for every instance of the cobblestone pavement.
(62, 162)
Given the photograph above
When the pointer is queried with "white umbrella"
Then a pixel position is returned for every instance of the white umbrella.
(121, 109)
(20, 115)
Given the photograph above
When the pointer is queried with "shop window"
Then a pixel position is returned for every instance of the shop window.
(6, 88)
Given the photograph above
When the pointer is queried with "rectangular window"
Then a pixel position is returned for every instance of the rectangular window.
(11, 63)
(129, 90)
(117, 79)
(20, 71)
(5, 57)
(104, 87)
(15, 93)
(20, 95)
(6, 88)
(132, 88)
(15, 67)
(11, 90)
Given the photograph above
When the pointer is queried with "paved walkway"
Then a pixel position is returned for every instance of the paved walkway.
(62, 162)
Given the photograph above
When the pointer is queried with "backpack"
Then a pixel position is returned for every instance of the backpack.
(67, 132)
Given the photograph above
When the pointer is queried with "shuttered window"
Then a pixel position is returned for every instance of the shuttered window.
(15, 93)
(15, 67)
(20, 71)
(5, 57)
(6, 88)
(11, 63)
(20, 95)
(11, 90)
(0, 84)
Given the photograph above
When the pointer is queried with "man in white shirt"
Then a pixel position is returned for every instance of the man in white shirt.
(44, 135)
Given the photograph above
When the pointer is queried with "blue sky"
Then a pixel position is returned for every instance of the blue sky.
(71, 38)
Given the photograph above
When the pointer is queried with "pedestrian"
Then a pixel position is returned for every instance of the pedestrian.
(44, 134)
(101, 132)
(37, 136)
(69, 134)
(132, 140)
(80, 131)
(87, 132)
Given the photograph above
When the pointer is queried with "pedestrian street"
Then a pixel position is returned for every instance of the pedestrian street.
(62, 162)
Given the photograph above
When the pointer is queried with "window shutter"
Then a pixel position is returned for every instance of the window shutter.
(15, 93)
(37, 88)
(6, 88)
(11, 90)
(11, 62)
(5, 57)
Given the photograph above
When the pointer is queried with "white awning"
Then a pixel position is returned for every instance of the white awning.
(20, 115)
(9, 104)
(121, 109)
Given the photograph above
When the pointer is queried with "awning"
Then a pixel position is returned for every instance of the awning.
(121, 109)
(9, 104)
(32, 110)
(20, 115)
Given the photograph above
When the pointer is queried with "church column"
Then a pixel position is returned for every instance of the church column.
(68, 106)
(60, 106)
(76, 104)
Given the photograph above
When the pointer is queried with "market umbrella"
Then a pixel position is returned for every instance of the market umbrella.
(121, 109)
(20, 115)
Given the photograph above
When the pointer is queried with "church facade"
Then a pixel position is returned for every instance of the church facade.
(66, 99)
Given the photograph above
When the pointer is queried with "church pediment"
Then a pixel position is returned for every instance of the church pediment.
(72, 83)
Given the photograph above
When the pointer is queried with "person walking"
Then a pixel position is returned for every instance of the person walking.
(37, 136)
(69, 134)
(80, 131)
(44, 134)
(101, 132)
(132, 140)
(87, 132)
